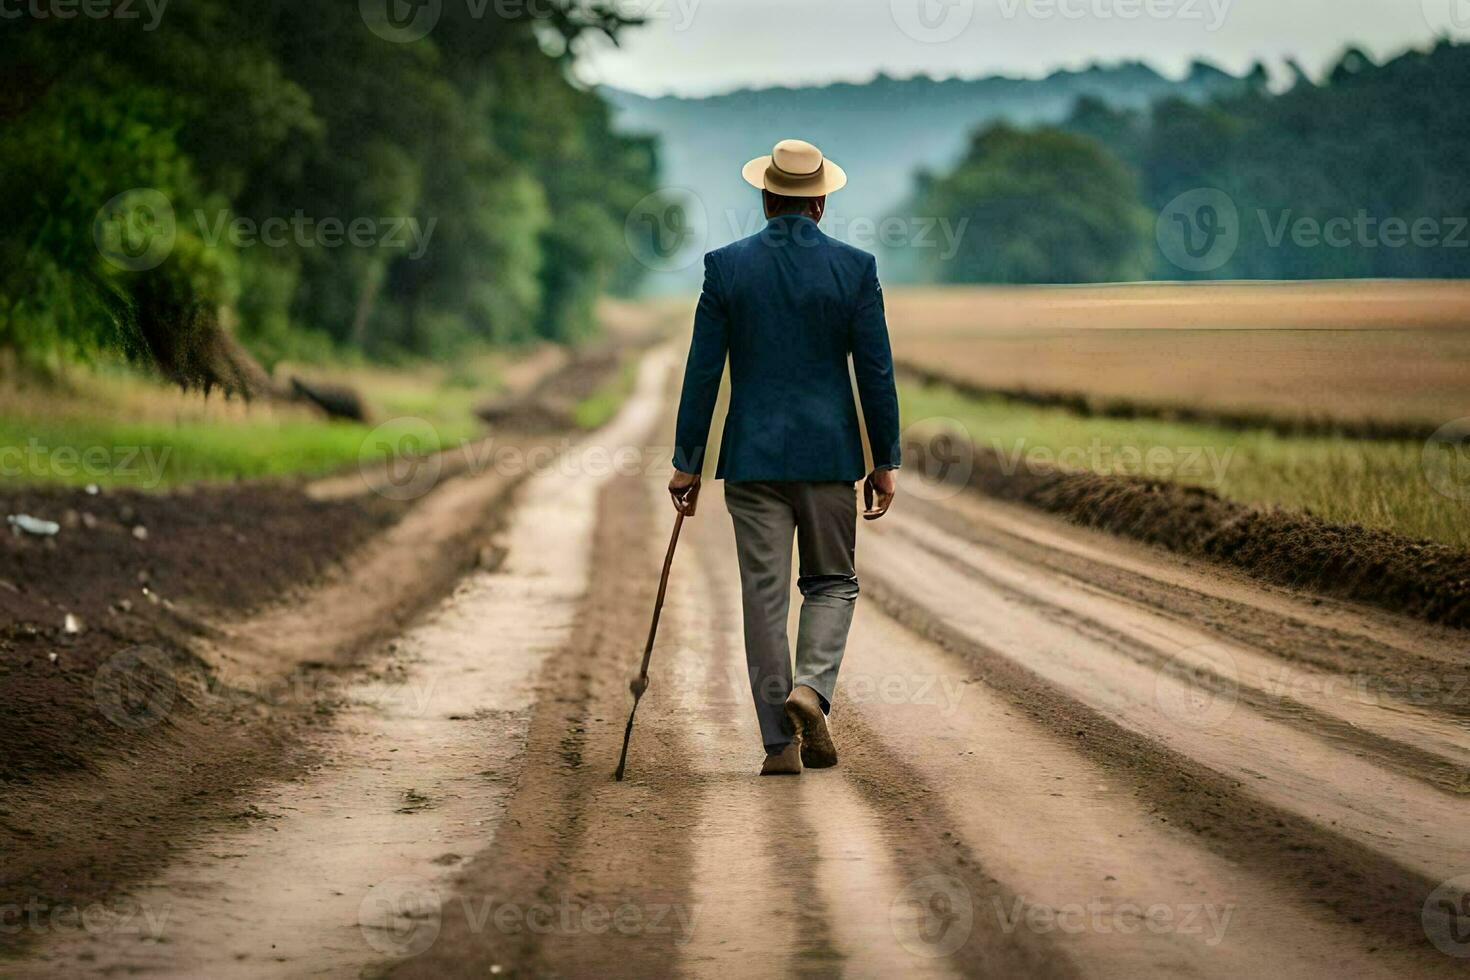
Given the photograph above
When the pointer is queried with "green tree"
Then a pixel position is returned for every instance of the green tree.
(1039, 206)
(278, 110)
(1382, 142)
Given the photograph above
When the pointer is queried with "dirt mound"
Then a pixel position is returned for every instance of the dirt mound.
(337, 401)
(132, 570)
(1418, 578)
(551, 405)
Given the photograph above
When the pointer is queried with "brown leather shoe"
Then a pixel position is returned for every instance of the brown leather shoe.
(787, 762)
(804, 711)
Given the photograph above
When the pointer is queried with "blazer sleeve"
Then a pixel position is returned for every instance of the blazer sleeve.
(872, 362)
(702, 373)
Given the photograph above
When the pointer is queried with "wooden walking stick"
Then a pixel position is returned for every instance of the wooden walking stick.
(639, 684)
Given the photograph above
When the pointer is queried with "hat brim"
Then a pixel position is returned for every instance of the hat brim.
(758, 174)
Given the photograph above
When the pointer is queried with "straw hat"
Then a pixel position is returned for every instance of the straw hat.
(795, 168)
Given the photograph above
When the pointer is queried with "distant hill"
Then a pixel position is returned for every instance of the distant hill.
(882, 132)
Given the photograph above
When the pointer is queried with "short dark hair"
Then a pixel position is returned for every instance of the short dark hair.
(781, 204)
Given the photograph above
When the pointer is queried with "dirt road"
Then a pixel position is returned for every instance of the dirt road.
(1061, 755)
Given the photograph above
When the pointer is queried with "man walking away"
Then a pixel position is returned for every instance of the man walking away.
(788, 306)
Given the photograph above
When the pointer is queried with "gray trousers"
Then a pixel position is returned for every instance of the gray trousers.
(823, 518)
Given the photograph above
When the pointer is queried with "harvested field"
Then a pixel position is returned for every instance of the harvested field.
(1365, 358)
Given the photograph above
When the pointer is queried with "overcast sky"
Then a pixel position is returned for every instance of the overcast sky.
(696, 47)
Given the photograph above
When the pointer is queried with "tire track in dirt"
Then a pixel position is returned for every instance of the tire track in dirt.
(868, 835)
(1351, 881)
(584, 874)
(918, 826)
(1421, 830)
(1123, 889)
(757, 858)
(1403, 657)
(628, 862)
(1381, 728)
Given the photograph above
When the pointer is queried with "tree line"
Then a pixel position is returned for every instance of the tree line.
(1359, 175)
(308, 179)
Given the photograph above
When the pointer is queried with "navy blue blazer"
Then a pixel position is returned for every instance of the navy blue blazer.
(788, 305)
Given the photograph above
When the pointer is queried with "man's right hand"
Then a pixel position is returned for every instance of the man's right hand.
(684, 489)
(882, 485)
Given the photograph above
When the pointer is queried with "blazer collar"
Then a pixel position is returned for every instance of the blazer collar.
(790, 219)
(792, 228)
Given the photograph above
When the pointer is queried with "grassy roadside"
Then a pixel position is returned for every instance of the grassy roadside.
(153, 455)
(1376, 484)
(597, 409)
(115, 428)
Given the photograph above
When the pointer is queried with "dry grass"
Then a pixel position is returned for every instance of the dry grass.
(1354, 352)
